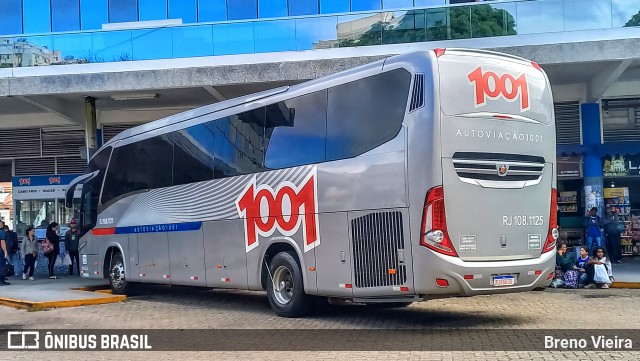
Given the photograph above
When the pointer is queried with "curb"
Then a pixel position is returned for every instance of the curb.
(38, 306)
(630, 285)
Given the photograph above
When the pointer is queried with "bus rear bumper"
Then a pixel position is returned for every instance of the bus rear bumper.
(436, 274)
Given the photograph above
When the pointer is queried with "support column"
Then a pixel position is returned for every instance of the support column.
(90, 129)
(591, 136)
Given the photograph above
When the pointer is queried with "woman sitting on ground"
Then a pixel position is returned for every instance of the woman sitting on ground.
(599, 259)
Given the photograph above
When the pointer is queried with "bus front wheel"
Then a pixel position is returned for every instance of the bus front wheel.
(285, 287)
(119, 283)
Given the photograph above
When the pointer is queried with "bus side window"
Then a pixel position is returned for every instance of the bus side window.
(366, 113)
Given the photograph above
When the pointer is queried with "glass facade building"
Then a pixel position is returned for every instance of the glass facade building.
(70, 31)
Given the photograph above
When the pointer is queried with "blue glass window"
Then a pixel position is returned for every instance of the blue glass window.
(233, 38)
(65, 15)
(429, 2)
(279, 35)
(183, 9)
(123, 11)
(334, 6)
(152, 9)
(242, 9)
(37, 16)
(93, 13)
(272, 8)
(11, 15)
(316, 32)
(362, 5)
(303, 7)
(151, 44)
(189, 41)
(212, 10)
(397, 4)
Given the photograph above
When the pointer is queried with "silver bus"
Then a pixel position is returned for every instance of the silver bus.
(424, 175)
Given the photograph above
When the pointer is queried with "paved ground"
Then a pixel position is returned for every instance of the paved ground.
(162, 308)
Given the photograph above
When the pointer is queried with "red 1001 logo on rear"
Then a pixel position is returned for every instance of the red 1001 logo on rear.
(493, 86)
(285, 209)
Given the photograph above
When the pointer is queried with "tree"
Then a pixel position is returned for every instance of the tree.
(634, 21)
(427, 25)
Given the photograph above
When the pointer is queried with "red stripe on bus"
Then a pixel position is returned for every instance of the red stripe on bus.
(103, 231)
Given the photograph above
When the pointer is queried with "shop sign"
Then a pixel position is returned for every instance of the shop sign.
(42, 187)
(569, 166)
(621, 166)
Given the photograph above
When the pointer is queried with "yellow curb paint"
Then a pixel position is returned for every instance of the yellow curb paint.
(634, 285)
(33, 306)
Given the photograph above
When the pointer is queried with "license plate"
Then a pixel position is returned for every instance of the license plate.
(504, 280)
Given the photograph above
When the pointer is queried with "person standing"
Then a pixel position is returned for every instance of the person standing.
(593, 229)
(52, 236)
(4, 254)
(29, 249)
(612, 228)
(71, 240)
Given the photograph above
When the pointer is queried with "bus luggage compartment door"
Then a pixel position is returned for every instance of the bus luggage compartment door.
(153, 253)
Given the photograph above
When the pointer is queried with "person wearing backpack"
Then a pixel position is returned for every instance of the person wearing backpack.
(71, 240)
(12, 242)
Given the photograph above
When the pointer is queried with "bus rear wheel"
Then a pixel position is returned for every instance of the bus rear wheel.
(285, 288)
(117, 279)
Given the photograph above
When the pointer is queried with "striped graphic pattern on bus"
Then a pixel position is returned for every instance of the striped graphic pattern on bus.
(204, 201)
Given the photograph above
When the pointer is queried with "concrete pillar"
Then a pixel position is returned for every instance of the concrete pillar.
(591, 136)
(90, 129)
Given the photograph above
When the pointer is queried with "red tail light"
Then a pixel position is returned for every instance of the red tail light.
(439, 52)
(552, 235)
(434, 233)
(536, 65)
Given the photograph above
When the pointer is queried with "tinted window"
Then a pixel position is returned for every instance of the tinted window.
(152, 9)
(37, 16)
(65, 15)
(366, 113)
(91, 190)
(94, 13)
(272, 8)
(183, 9)
(334, 6)
(238, 144)
(303, 7)
(123, 11)
(242, 9)
(143, 165)
(121, 172)
(360, 5)
(193, 161)
(154, 163)
(212, 10)
(11, 15)
(296, 130)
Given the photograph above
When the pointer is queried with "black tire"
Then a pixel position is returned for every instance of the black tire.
(383, 305)
(117, 279)
(290, 300)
